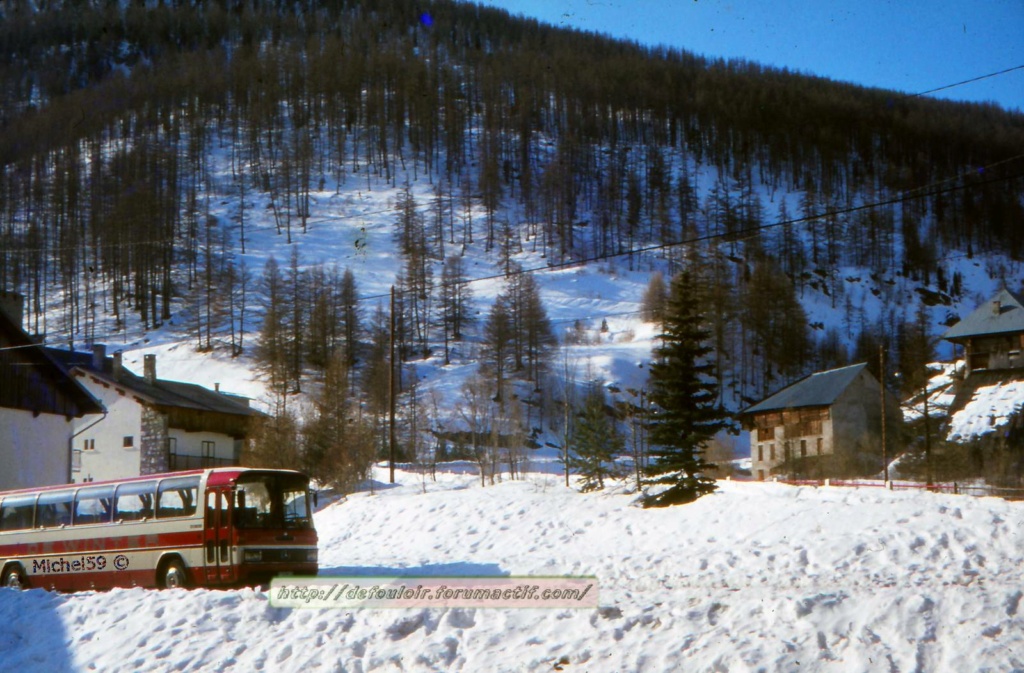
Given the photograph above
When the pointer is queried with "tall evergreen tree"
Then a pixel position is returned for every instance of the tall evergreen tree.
(596, 441)
(683, 392)
(497, 350)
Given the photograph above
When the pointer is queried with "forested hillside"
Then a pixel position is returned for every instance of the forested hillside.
(125, 128)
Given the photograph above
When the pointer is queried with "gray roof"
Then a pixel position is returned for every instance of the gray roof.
(1002, 314)
(47, 375)
(160, 392)
(820, 389)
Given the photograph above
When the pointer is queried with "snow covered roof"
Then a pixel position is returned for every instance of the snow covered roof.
(161, 392)
(1003, 313)
(817, 390)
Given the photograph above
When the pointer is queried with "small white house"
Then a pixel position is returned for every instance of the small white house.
(40, 406)
(151, 425)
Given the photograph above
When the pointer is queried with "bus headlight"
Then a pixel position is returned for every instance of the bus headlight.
(252, 556)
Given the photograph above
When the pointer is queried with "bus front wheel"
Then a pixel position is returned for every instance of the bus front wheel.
(174, 576)
(14, 578)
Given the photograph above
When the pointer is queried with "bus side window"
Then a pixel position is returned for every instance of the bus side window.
(92, 505)
(188, 500)
(16, 512)
(54, 509)
(134, 501)
(177, 497)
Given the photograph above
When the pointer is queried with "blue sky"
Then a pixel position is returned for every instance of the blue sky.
(911, 46)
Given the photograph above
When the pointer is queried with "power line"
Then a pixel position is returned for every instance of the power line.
(749, 232)
(966, 81)
(738, 235)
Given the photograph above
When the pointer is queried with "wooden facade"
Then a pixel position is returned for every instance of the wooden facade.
(992, 336)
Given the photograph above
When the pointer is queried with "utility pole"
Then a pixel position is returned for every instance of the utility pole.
(391, 392)
(881, 381)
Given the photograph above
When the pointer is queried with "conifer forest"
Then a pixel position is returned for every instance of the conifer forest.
(117, 118)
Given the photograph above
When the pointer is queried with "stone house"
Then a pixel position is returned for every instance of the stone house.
(828, 424)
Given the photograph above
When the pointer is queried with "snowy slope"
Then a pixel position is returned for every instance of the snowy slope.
(755, 577)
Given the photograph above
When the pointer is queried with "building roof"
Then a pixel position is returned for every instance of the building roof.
(1002, 314)
(37, 382)
(175, 394)
(820, 389)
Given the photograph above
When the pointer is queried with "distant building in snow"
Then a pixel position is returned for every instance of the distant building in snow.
(993, 335)
(151, 425)
(825, 425)
(985, 414)
(39, 407)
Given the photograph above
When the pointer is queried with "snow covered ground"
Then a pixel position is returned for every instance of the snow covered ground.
(757, 577)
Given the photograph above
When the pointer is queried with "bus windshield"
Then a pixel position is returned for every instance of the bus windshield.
(264, 500)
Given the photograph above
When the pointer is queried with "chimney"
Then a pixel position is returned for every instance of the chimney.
(99, 356)
(118, 366)
(997, 306)
(13, 304)
(216, 387)
(149, 368)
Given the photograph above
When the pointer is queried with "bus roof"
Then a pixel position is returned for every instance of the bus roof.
(215, 476)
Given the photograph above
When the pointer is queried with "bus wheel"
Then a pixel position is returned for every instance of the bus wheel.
(174, 576)
(13, 578)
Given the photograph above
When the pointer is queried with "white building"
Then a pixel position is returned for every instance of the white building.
(151, 425)
(40, 406)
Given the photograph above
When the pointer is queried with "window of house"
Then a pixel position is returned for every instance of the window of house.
(803, 448)
(129, 441)
(89, 445)
(209, 449)
(821, 443)
(760, 452)
(76, 460)
(771, 451)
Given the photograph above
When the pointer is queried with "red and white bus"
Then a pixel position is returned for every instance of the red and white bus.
(211, 528)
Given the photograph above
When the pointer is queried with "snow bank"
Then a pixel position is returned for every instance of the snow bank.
(755, 577)
(990, 408)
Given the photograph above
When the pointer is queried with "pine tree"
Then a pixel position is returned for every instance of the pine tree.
(271, 354)
(652, 305)
(683, 392)
(497, 351)
(596, 442)
(338, 446)
(454, 297)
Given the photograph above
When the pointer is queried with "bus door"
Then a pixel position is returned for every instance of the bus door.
(217, 534)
